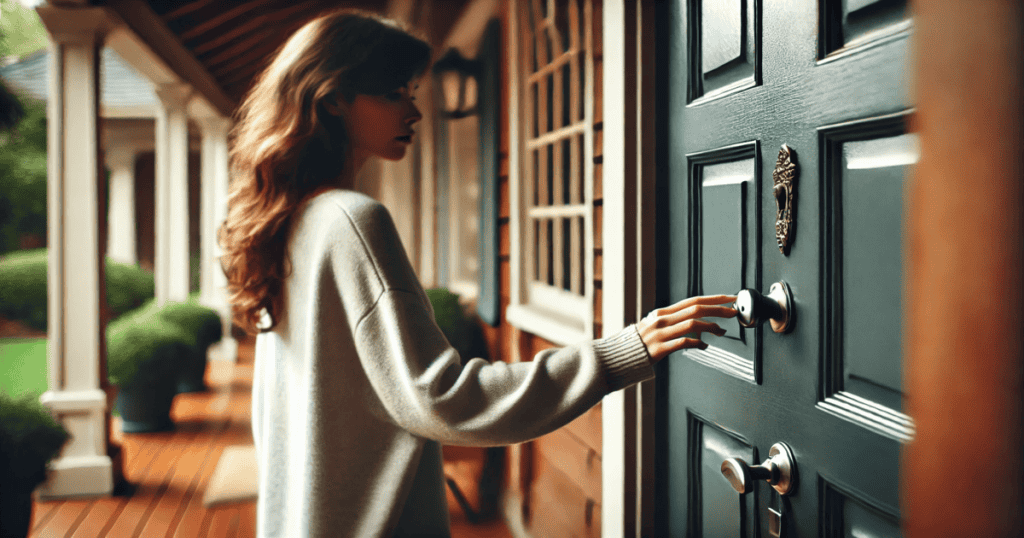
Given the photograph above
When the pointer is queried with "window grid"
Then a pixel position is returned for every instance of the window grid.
(559, 153)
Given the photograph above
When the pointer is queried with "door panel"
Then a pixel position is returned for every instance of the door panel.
(847, 517)
(723, 512)
(826, 79)
(724, 247)
(729, 58)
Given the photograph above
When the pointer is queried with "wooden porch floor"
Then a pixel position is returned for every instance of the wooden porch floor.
(168, 473)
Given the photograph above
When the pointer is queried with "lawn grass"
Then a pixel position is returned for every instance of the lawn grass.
(23, 366)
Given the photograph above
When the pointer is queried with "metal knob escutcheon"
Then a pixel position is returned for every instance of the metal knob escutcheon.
(754, 309)
(779, 470)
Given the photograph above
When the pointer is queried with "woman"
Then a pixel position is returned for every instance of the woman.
(354, 385)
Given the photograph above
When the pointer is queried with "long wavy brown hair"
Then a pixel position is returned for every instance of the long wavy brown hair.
(286, 146)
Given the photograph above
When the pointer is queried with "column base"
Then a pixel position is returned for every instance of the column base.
(81, 476)
(83, 469)
(225, 350)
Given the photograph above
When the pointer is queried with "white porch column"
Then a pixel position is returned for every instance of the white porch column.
(213, 210)
(171, 253)
(121, 213)
(75, 357)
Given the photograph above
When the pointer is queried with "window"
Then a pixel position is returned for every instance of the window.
(553, 190)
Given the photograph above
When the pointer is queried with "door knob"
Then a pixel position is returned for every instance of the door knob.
(754, 309)
(779, 470)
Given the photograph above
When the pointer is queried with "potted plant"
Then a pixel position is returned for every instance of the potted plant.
(29, 439)
(203, 326)
(144, 358)
(460, 328)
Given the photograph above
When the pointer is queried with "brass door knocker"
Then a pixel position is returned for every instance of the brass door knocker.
(784, 178)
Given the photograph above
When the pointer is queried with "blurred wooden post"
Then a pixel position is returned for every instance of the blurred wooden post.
(963, 474)
(171, 255)
(213, 209)
(75, 198)
(120, 160)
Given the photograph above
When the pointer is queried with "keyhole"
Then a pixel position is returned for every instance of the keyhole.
(780, 197)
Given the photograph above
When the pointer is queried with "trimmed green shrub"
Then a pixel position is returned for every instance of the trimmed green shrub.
(29, 439)
(460, 328)
(143, 349)
(200, 322)
(23, 287)
(128, 287)
(203, 326)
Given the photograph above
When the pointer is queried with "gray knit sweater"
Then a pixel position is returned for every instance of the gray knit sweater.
(356, 386)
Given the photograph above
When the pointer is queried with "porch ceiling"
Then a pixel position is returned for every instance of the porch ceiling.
(233, 40)
(230, 39)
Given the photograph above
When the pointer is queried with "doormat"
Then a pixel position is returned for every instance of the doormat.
(234, 480)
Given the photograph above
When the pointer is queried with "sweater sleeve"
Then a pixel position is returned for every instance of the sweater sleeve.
(421, 381)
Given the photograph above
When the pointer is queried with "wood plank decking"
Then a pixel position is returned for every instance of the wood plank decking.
(168, 473)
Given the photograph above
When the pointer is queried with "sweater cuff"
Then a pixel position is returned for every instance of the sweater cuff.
(625, 359)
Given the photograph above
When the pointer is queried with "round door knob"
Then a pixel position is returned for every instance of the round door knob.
(779, 470)
(754, 309)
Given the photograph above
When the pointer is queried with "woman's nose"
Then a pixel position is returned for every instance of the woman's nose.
(414, 114)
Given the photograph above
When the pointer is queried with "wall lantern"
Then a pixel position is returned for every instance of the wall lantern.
(457, 77)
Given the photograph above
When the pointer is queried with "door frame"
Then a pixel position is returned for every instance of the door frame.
(628, 279)
(969, 99)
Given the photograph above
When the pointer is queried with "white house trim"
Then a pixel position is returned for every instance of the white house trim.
(628, 259)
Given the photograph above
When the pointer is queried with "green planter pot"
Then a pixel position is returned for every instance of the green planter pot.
(146, 408)
(15, 513)
(193, 374)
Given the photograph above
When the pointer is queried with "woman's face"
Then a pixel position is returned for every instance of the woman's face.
(381, 125)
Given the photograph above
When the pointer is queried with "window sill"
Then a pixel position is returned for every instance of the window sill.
(555, 327)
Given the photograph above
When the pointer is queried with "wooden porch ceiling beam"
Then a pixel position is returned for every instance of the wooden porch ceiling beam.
(183, 10)
(223, 18)
(146, 24)
(250, 26)
(240, 69)
(240, 52)
(229, 57)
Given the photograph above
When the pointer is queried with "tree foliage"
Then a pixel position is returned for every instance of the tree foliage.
(21, 31)
(23, 177)
(23, 147)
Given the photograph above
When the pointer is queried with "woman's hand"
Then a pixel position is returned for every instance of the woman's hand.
(663, 329)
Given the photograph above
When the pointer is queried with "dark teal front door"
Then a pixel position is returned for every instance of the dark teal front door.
(828, 80)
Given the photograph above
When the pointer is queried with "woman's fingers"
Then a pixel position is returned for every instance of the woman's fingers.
(694, 301)
(663, 349)
(701, 311)
(663, 330)
(692, 326)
